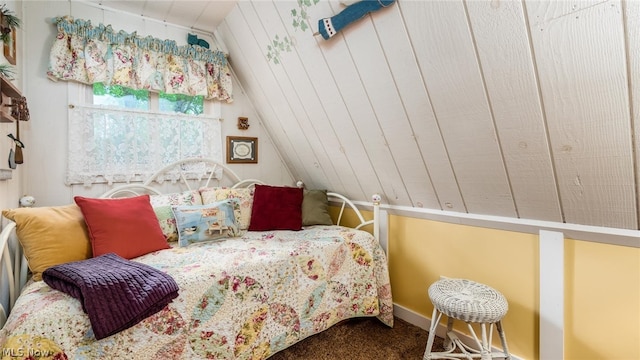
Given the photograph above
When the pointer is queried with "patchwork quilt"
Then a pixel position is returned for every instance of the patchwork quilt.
(116, 293)
(239, 298)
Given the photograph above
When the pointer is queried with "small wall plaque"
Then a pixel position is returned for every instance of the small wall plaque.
(242, 149)
(243, 123)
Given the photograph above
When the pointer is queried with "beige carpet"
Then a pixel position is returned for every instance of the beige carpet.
(362, 338)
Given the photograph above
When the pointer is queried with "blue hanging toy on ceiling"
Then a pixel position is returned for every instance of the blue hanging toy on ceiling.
(356, 10)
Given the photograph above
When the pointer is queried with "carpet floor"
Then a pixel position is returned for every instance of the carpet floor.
(362, 338)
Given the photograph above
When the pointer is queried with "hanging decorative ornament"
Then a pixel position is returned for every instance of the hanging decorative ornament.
(27, 201)
(328, 27)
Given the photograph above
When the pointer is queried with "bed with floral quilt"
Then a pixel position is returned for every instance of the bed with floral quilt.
(246, 271)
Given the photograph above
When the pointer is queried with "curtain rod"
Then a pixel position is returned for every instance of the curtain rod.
(142, 112)
(107, 8)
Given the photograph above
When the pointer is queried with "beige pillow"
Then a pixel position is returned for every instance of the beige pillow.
(51, 235)
(243, 195)
(162, 207)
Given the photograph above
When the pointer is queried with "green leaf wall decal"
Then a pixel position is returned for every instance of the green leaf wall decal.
(299, 21)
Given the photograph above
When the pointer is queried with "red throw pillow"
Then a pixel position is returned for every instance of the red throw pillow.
(125, 226)
(276, 208)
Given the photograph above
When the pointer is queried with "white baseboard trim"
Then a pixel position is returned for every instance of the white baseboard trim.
(423, 322)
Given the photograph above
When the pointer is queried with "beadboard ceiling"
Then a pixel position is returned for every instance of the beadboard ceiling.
(204, 15)
(523, 109)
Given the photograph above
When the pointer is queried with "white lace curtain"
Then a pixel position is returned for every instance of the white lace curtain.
(90, 54)
(107, 145)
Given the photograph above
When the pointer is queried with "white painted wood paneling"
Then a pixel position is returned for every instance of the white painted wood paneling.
(632, 27)
(334, 109)
(182, 9)
(314, 120)
(407, 79)
(160, 10)
(580, 53)
(349, 82)
(132, 7)
(213, 14)
(196, 14)
(399, 152)
(297, 118)
(280, 127)
(501, 37)
(120, 21)
(451, 73)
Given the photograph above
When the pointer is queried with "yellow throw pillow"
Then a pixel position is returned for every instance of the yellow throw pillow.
(51, 235)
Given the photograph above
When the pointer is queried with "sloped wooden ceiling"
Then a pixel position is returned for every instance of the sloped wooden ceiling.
(511, 108)
(514, 108)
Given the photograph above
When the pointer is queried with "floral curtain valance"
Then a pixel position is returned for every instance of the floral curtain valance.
(88, 54)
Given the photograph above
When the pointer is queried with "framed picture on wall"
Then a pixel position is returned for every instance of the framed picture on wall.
(9, 42)
(241, 149)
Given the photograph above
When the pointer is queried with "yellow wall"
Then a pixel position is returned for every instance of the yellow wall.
(602, 304)
(602, 301)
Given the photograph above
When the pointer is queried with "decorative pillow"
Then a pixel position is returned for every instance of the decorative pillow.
(276, 208)
(245, 200)
(125, 226)
(51, 235)
(315, 208)
(162, 207)
(208, 194)
(199, 223)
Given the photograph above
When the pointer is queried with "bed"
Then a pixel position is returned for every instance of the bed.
(242, 293)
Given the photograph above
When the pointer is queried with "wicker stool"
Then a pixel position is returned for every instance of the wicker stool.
(473, 303)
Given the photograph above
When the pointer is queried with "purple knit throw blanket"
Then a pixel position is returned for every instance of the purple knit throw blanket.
(114, 292)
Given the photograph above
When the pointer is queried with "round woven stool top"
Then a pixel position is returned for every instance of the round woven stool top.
(468, 300)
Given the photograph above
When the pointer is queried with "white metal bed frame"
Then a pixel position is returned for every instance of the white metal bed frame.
(16, 267)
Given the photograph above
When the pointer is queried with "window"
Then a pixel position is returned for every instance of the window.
(120, 97)
(180, 103)
(123, 135)
(124, 97)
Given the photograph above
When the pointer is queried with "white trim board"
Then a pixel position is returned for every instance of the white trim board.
(551, 295)
(423, 322)
(383, 228)
(613, 236)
